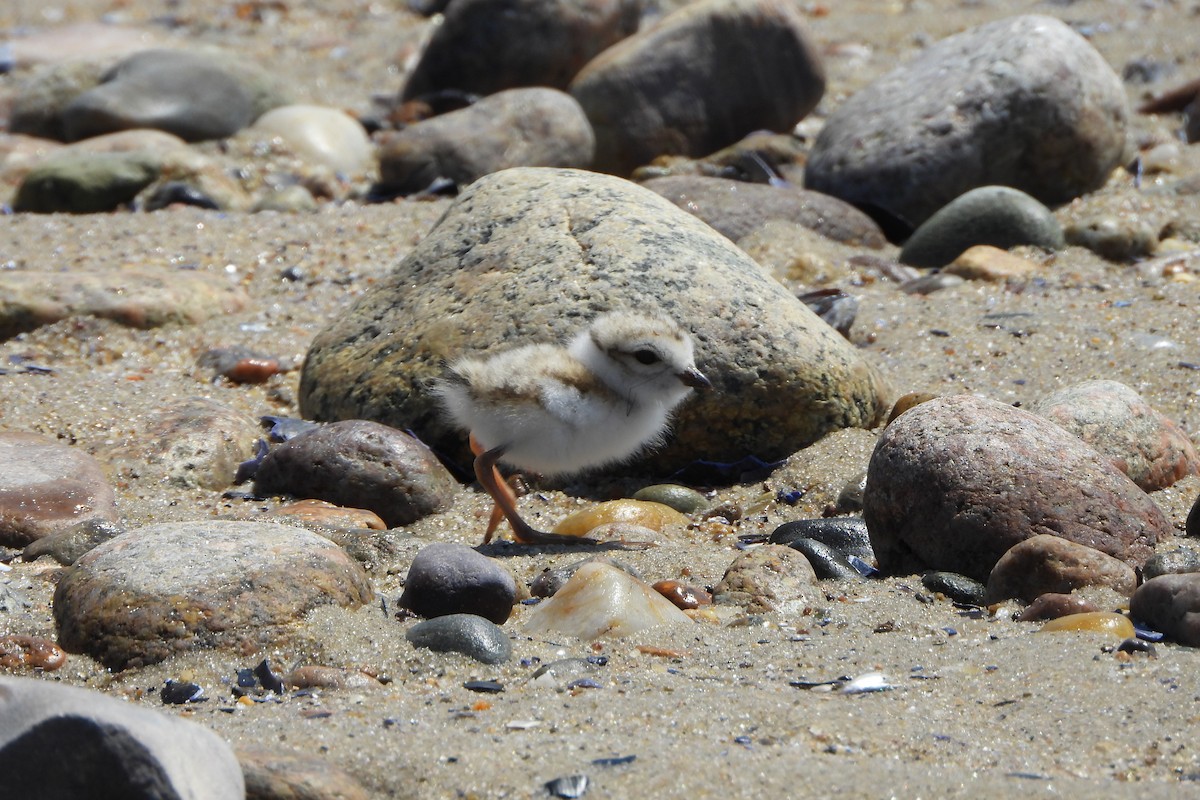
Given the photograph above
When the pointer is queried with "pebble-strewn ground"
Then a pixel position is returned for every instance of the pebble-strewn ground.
(981, 706)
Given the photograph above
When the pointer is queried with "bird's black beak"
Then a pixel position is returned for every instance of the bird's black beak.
(694, 378)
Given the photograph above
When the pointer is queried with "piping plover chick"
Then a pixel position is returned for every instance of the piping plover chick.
(557, 410)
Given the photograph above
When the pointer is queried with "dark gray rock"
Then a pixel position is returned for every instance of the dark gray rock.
(59, 743)
(1023, 102)
(736, 208)
(771, 578)
(447, 578)
(46, 486)
(1170, 604)
(999, 216)
(533, 255)
(1047, 563)
(80, 182)
(847, 535)
(68, 545)
(956, 481)
(1115, 420)
(172, 587)
(536, 127)
(958, 588)
(827, 562)
(188, 94)
(360, 464)
(468, 634)
(1192, 526)
(483, 47)
(1172, 562)
(698, 80)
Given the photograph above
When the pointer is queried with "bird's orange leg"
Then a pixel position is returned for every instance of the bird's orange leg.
(506, 503)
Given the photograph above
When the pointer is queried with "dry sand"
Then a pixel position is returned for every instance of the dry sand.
(994, 709)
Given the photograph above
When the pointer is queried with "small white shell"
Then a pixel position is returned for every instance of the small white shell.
(867, 682)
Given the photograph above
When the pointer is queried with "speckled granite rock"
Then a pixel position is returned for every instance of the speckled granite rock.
(956, 481)
(1023, 102)
(286, 775)
(59, 742)
(534, 254)
(47, 486)
(1114, 419)
(770, 579)
(536, 127)
(166, 588)
(698, 80)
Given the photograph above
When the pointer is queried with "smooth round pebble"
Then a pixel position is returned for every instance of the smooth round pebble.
(447, 578)
(19, 652)
(328, 515)
(958, 588)
(1108, 623)
(47, 486)
(80, 182)
(285, 774)
(1048, 563)
(601, 600)
(999, 216)
(320, 135)
(174, 587)
(1170, 604)
(360, 464)
(850, 498)
(986, 263)
(654, 516)
(471, 635)
(681, 498)
(1053, 605)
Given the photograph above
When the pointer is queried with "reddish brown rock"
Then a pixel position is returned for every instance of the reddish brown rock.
(1053, 605)
(1114, 419)
(46, 486)
(18, 652)
(957, 481)
(1046, 563)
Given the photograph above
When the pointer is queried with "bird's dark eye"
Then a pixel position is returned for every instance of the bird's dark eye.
(646, 357)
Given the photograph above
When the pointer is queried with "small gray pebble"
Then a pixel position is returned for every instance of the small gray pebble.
(68, 545)
(850, 498)
(1175, 562)
(958, 588)
(468, 634)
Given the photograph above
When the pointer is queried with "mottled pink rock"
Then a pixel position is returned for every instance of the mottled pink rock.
(1046, 563)
(771, 578)
(956, 481)
(46, 486)
(1115, 420)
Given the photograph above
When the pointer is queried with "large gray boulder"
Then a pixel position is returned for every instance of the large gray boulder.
(533, 255)
(1023, 102)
